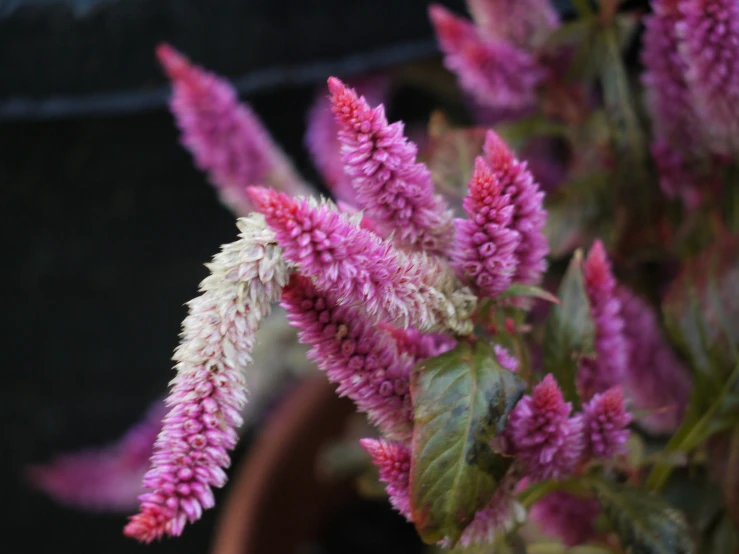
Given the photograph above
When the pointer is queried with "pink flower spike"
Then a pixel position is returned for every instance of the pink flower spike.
(543, 436)
(321, 138)
(529, 216)
(225, 137)
(496, 73)
(609, 366)
(106, 478)
(418, 346)
(486, 242)
(394, 189)
(524, 23)
(566, 516)
(709, 30)
(209, 391)
(394, 462)
(656, 379)
(606, 421)
(363, 360)
(359, 268)
(669, 98)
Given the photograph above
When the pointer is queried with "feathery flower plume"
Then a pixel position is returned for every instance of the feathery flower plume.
(656, 379)
(209, 390)
(225, 137)
(322, 141)
(668, 95)
(106, 478)
(496, 73)
(486, 243)
(524, 23)
(394, 462)
(569, 517)
(360, 268)
(529, 216)
(709, 30)
(542, 434)
(679, 174)
(362, 359)
(608, 368)
(606, 419)
(396, 190)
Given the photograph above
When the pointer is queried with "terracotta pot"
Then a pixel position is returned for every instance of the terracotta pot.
(277, 501)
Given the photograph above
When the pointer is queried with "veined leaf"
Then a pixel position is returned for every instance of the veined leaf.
(570, 330)
(461, 401)
(701, 311)
(645, 523)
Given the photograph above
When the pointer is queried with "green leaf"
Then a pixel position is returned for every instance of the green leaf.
(518, 289)
(570, 331)
(644, 522)
(701, 311)
(461, 401)
(511, 543)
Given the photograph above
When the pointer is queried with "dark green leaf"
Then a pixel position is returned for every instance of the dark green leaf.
(721, 538)
(530, 291)
(461, 401)
(517, 133)
(701, 311)
(644, 522)
(570, 331)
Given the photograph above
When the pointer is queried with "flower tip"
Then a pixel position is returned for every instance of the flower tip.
(260, 196)
(449, 28)
(143, 527)
(372, 446)
(174, 63)
(497, 151)
(335, 85)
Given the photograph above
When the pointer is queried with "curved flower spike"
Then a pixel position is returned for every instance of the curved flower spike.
(611, 349)
(394, 462)
(389, 183)
(363, 360)
(225, 137)
(360, 268)
(322, 141)
(209, 390)
(496, 73)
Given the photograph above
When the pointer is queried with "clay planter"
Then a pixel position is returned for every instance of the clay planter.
(277, 502)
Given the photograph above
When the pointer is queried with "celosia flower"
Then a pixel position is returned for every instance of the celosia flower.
(106, 478)
(709, 30)
(394, 189)
(569, 517)
(609, 365)
(394, 462)
(209, 390)
(522, 22)
(225, 137)
(542, 434)
(360, 268)
(606, 419)
(529, 217)
(362, 359)
(322, 141)
(496, 73)
(656, 380)
(486, 242)
(669, 98)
